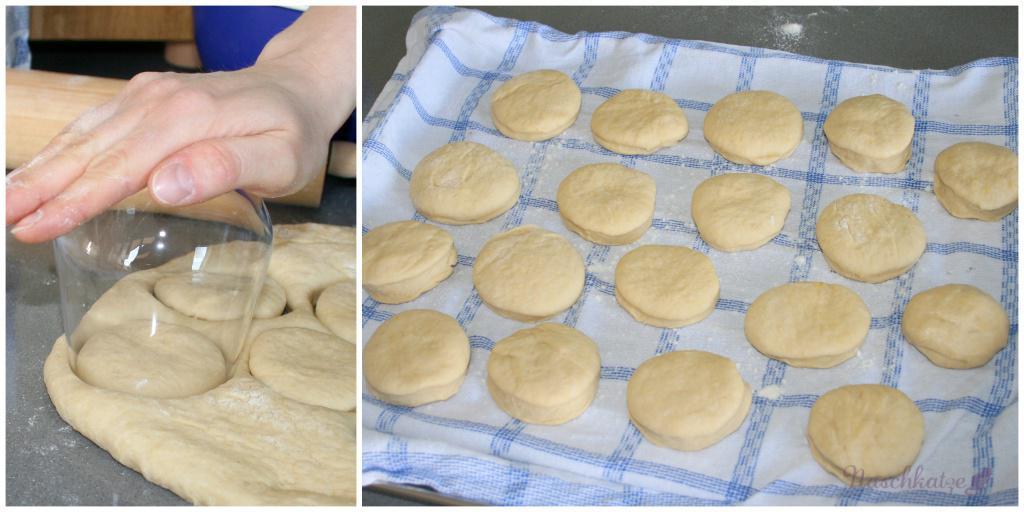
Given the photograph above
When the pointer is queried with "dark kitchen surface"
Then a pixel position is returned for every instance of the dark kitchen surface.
(903, 37)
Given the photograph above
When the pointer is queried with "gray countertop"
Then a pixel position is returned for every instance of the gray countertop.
(903, 37)
(48, 463)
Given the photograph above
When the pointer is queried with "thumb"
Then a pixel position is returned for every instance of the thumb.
(209, 168)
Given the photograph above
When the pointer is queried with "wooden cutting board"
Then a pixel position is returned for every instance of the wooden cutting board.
(41, 103)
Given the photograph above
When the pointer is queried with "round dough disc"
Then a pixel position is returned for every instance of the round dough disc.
(607, 204)
(976, 180)
(306, 365)
(336, 309)
(871, 133)
(536, 105)
(739, 211)
(808, 324)
(869, 238)
(865, 432)
(464, 183)
(956, 325)
(666, 286)
(638, 122)
(528, 274)
(754, 127)
(173, 362)
(687, 400)
(219, 297)
(546, 374)
(416, 357)
(403, 260)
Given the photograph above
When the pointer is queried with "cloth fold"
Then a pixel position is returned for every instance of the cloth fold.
(467, 447)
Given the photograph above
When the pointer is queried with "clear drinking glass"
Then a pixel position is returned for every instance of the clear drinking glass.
(185, 276)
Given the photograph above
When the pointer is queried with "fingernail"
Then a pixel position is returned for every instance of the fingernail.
(173, 184)
(28, 222)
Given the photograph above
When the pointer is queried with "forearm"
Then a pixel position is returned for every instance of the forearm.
(317, 56)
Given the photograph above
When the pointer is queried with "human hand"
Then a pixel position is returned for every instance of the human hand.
(188, 138)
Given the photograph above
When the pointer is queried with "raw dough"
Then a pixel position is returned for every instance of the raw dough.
(209, 296)
(536, 105)
(639, 122)
(666, 286)
(976, 180)
(403, 260)
(607, 204)
(241, 442)
(808, 324)
(546, 374)
(687, 400)
(956, 325)
(739, 211)
(871, 133)
(865, 432)
(463, 183)
(336, 308)
(308, 366)
(754, 127)
(416, 357)
(172, 362)
(868, 238)
(528, 274)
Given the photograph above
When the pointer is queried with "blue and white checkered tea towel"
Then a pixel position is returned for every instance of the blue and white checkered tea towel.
(467, 447)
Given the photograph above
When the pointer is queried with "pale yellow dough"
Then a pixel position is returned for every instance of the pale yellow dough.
(666, 286)
(463, 183)
(306, 365)
(687, 400)
(739, 211)
(956, 325)
(546, 374)
(336, 308)
(976, 180)
(869, 238)
(754, 127)
(416, 357)
(865, 432)
(536, 106)
(808, 324)
(871, 133)
(528, 274)
(639, 122)
(210, 296)
(607, 204)
(403, 260)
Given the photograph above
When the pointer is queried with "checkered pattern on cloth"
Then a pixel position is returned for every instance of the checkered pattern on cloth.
(467, 447)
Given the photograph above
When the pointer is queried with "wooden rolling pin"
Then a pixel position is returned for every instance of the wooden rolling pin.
(41, 103)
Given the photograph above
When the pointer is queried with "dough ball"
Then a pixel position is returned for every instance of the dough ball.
(403, 260)
(754, 127)
(336, 309)
(528, 274)
(536, 106)
(808, 324)
(217, 297)
(639, 122)
(975, 180)
(739, 211)
(546, 374)
(868, 238)
(416, 357)
(865, 432)
(306, 365)
(464, 183)
(687, 400)
(956, 325)
(173, 362)
(607, 203)
(666, 286)
(871, 133)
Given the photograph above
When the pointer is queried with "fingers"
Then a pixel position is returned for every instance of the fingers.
(264, 164)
